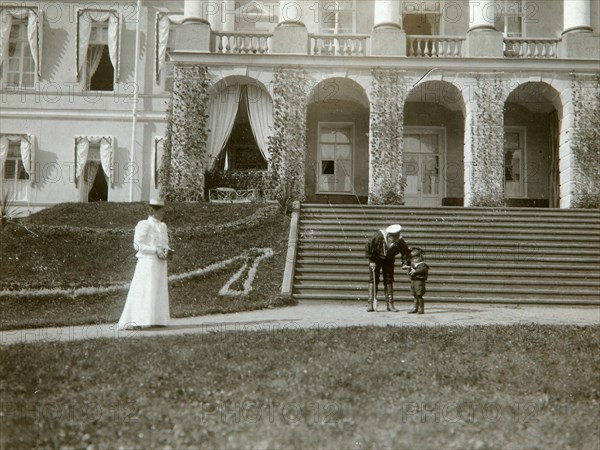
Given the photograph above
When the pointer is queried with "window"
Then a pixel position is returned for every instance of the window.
(94, 167)
(509, 18)
(251, 16)
(16, 151)
(338, 17)
(21, 34)
(514, 163)
(336, 155)
(100, 73)
(165, 33)
(98, 48)
(422, 18)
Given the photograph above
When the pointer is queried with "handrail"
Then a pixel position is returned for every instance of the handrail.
(426, 46)
(540, 48)
(242, 42)
(339, 44)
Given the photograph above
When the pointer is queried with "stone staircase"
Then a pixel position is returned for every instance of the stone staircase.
(476, 255)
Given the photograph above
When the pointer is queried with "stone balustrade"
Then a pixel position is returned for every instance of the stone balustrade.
(531, 48)
(339, 44)
(420, 46)
(242, 42)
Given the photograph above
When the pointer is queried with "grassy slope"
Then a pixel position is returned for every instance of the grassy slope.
(534, 387)
(49, 250)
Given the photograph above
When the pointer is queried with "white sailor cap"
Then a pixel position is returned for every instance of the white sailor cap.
(393, 229)
(156, 202)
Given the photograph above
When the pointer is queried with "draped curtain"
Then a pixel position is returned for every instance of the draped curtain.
(27, 151)
(33, 33)
(260, 113)
(82, 149)
(163, 27)
(85, 19)
(222, 111)
(17, 190)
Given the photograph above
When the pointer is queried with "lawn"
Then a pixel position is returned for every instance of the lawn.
(74, 245)
(527, 386)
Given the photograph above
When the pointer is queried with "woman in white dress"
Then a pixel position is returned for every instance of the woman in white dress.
(148, 298)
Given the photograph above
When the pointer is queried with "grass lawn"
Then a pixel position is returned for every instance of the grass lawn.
(534, 387)
(91, 245)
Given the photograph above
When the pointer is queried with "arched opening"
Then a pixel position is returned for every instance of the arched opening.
(337, 162)
(433, 145)
(531, 137)
(240, 122)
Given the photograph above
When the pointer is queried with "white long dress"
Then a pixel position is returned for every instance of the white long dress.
(148, 298)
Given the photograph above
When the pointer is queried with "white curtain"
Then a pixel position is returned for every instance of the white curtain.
(157, 159)
(33, 33)
(161, 39)
(27, 150)
(222, 111)
(82, 150)
(90, 176)
(85, 19)
(94, 63)
(260, 112)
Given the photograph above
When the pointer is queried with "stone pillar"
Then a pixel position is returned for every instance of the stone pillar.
(194, 33)
(578, 41)
(484, 143)
(290, 36)
(387, 37)
(213, 13)
(576, 16)
(483, 40)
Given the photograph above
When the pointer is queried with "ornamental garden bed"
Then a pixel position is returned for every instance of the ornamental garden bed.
(69, 247)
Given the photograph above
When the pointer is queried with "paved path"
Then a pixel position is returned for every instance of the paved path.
(324, 315)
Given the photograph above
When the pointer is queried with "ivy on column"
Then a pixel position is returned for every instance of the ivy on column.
(182, 169)
(386, 180)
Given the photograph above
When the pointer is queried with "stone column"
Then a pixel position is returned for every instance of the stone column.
(483, 40)
(576, 16)
(291, 36)
(387, 37)
(484, 142)
(195, 32)
(578, 40)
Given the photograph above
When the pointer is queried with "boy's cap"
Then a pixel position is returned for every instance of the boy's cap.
(393, 229)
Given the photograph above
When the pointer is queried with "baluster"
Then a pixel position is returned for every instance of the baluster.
(228, 43)
(434, 48)
(544, 52)
(536, 50)
(552, 50)
(220, 43)
(419, 53)
(268, 45)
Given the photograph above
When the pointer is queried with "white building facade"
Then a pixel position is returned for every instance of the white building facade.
(425, 103)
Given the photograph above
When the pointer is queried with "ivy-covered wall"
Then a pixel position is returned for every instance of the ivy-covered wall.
(287, 146)
(485, 166)
(388, 95)
(585, 142)
(182, 170)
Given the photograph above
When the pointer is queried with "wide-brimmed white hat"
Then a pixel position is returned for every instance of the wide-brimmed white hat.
(156, 202)
(393, 229)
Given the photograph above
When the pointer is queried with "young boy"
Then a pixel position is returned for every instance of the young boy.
(418, 271)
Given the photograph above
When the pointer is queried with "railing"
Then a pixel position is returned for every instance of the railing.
(339, 44)
(242, 43)
(531, 48)
(229, 195)
(418, 46)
